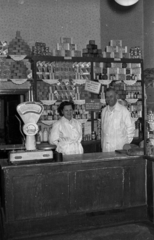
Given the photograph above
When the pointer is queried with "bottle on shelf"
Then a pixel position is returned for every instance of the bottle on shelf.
(45, 135)
(93, 136)
(140, 128)
(39, 136)
(137, 129)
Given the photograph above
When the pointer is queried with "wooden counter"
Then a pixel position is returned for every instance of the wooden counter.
(84, 191)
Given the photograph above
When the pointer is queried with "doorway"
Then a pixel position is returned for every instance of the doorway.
(10, 123)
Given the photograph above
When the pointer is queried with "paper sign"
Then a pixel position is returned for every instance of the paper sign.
(92, 86)
(93, 105)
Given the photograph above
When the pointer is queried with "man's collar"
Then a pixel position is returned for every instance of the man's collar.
(115, 107)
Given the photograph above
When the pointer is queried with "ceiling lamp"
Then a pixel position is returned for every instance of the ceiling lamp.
(126, 2)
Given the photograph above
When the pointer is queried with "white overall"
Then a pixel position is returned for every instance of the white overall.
(67, 135)
(117, 128)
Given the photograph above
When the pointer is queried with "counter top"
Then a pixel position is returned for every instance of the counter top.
(73, 159)
(96, 157)
(11, 147)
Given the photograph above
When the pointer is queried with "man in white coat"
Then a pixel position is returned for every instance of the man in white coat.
(117, 125)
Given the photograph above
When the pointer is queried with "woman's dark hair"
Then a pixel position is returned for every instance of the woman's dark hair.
(63, 104)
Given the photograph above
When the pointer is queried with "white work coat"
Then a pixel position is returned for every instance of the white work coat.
(118, 128)
(67, 135)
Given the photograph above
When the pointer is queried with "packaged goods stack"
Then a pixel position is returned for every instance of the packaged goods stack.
(5, 71)
(66, 48)
(18, 70)
(135, 52)
(40, 49)
(3, 48)
(62, 70)
(63, 91)
(91, 50)
(18, 46)
(115, 71)
(115, 50)
(67, 90)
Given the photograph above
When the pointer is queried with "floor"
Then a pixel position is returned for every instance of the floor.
(137, 231)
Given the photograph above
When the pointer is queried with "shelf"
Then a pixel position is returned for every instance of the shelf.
(130, 82)
(48, 122)
(105, 82)
(48, 102)
(18, 57)
(79, 81)
(79, 102)
(50, 81)
(19, 81)
(131, 100)
(85, 59)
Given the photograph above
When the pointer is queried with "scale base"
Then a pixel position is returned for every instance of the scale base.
(19, 156)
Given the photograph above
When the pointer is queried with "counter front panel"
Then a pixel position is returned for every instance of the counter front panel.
(51, 197)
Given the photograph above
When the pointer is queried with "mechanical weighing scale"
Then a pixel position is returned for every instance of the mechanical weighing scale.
(30, 113)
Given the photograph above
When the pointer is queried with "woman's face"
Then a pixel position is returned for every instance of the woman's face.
(68, 112)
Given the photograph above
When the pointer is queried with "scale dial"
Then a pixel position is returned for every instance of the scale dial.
(27, 107)
(30, 129)
(30, 112)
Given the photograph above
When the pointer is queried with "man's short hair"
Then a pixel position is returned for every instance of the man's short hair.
(111, 89)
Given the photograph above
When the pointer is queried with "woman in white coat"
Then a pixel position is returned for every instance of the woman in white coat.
(66, 133)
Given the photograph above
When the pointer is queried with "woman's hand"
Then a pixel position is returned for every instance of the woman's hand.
(64, 139)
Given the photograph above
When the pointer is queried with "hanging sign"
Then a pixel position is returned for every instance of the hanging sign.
(92, 86)
(93, 105)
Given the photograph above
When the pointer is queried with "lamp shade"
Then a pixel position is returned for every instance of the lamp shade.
(126, 2)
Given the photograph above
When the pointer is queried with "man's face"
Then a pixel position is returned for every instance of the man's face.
(111, 98)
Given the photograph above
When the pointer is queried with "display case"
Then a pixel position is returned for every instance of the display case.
(63, 78)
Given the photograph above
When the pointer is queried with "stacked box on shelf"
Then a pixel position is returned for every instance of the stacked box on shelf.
(135, 52)
(115, 50)
(41, 49)
(42, 90)
(63, 91)
(117, 71)
(81, 93)
(18, 46)
(63, 70)
(19, 69)
(5, 72)
(120, 90)
(128, 91)
(66, 48)
(91, 50)
(134, 91)
(3, 48)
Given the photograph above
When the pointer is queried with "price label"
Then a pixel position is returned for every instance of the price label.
(93, 105)
(92, 86)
